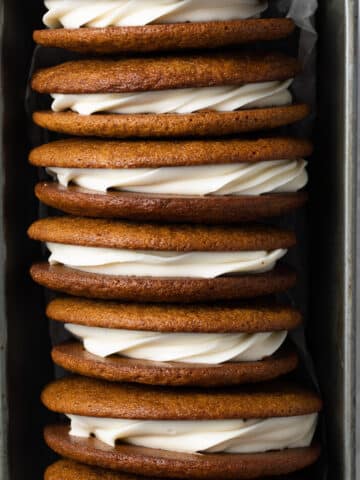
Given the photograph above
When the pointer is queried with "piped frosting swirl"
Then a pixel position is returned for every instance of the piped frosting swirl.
(120, 13)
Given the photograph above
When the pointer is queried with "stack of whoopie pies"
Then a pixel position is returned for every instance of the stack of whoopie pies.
(162, 172)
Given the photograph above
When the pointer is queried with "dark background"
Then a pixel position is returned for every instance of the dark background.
(28, 361)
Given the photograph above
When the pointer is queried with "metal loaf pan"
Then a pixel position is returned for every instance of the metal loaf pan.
(333, 230)
(24, 340)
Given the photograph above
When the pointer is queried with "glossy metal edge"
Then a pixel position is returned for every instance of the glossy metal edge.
(333, 205)
(351, 151)
(356, 421)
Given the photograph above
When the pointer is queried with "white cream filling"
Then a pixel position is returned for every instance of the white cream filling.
(228, 179)
(202, 436)
(209, 348)
(120, 13)
(181, 100)
(112, 261)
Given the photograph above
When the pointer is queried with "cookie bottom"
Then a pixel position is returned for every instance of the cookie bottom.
(154, 289)
(161, 463)
(178, 36)
(78, 201)
(169, 124)
(72, 356)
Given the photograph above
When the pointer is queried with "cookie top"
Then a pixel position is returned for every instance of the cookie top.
(95, 398)
(181, 238)
(165, 37)
(69, 470)
(92, 153)
(161, 73)
(249, 317)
